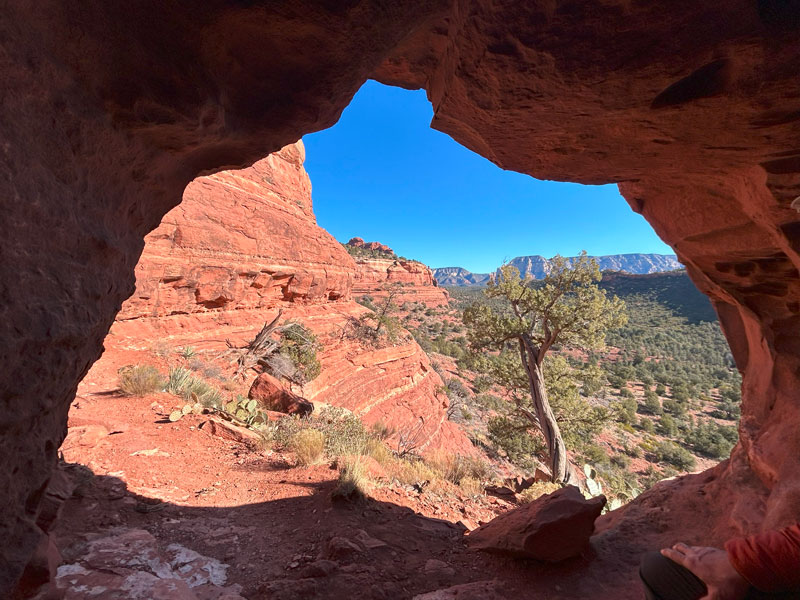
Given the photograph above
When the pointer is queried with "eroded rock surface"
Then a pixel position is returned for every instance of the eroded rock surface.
(108, 112)
(414, 280)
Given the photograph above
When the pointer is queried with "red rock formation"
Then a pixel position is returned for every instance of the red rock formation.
(374, 276)
(219, 266)
(109, 111)
(358, 242)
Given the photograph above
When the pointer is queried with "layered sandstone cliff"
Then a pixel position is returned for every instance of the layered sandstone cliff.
(244, 244)
(414, 280)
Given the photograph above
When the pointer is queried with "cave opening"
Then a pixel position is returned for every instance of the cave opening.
(245, 244)
(691, 111)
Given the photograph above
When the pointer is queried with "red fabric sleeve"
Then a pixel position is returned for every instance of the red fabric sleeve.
(769, 561)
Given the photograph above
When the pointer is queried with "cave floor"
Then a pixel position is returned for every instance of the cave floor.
(275, 525)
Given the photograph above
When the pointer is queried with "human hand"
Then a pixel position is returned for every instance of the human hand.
(713, 567)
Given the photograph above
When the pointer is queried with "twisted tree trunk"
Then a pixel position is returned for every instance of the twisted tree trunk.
(559, 463)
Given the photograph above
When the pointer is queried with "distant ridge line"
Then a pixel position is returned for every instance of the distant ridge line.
(538, 266)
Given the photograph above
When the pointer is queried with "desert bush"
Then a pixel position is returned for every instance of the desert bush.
(537, 490)
(379, 451)
(454, 467)
(646, 425)
(482, 383)
(517, 441)
(409, 471)
(652, 404)
(352, 483)
(188, 352)
(308, 445)
(667, 426)
(489, 402)
(140, 380)
(712, 440)
(675, 455)
(621, 461)
(182, 383)
(301, 346)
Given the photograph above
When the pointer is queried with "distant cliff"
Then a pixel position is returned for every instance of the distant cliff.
(458, 276)
(538, 267)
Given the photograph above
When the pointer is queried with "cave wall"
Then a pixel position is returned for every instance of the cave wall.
(109, 110)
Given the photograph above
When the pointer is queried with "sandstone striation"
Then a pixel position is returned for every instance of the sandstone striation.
(219, 266)
(108, 112)
(374, 277)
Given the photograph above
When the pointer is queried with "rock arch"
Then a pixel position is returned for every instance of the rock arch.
(109, 110)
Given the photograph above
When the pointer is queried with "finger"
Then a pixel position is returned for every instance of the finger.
(674, 555)
(681, 547)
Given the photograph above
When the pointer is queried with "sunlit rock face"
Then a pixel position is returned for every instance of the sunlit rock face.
(109, 111)
(244, 244)
(406, 280)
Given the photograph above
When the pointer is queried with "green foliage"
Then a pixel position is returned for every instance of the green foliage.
(300, 345)
(566, 307)
(245, 411)
(646, 425)
(188, 352)
(625, 410)
(675, 455)
(482, 384)
(140, 380)
(515, 439)
(711, 439)
(652, 404)
(364, 252)
(578, 420)
(667, 426)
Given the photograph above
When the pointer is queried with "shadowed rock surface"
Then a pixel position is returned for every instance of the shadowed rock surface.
(550, 529)
(109, 111)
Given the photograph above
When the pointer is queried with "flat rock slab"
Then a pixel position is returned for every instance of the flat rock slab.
(552, 528)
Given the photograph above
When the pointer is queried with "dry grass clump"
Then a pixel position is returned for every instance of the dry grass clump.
(353, 481)
(379, 451)
(454, 468)
(140, 380)
(308, 445)
(409, 471)
(183, 383)
(538, 489)
(471, 486)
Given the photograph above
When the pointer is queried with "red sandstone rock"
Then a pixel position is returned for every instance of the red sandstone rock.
(229, 431)
(552, 528)
(271, 395)
(374, 276)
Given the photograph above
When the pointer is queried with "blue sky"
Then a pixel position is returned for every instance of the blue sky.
(383, 174)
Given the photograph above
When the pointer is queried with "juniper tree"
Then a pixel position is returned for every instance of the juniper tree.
(566, 308)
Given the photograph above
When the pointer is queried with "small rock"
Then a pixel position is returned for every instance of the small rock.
(319, 568)
(341, 547)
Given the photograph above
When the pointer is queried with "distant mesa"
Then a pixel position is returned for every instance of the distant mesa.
(538, 267)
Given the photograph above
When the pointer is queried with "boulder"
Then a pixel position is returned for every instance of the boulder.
(271, 395)
(553, 528)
